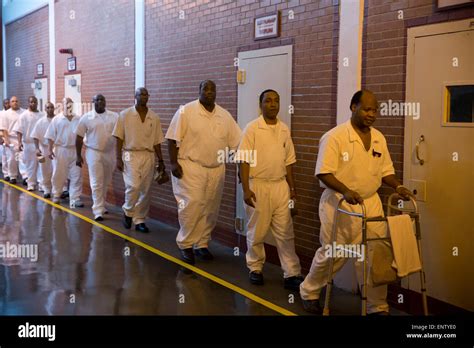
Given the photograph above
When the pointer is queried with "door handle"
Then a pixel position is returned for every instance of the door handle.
(417, 150)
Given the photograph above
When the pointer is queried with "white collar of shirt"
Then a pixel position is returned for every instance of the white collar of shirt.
(64, 116)
(353, 136)
(204, 112)
(37, 112)
(96, 114)
(136, 112)
(262, 124)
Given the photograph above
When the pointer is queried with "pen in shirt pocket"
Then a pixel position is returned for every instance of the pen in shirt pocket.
(376, 154)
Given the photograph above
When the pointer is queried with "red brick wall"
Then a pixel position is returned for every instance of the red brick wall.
(102, 36)
(384, 58)
(182, 52)
(26, 39)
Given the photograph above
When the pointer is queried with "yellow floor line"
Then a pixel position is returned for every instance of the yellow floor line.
(164, 255)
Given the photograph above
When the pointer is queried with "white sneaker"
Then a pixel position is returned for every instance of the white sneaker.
(76, 204)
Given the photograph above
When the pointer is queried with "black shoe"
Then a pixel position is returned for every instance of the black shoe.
(47, 195)
(142, 228)
(7, 179)
(311, 306)
(256, 278)
(99, 218)
(187, 255)
(127, 221)
(293, 283)
(13, 181)
(65, 195)
(204, 254)
(24, 182)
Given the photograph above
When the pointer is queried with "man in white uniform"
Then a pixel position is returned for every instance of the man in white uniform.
(42, 150)
(268, 188)
(353, 161)
(60, 135)
(10, 139)
(23, 129)
(202, 130)
(97, 126)
(139, 137)
(3, 150)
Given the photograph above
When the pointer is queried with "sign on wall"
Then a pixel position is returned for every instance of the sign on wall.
(39, 69)
(71, 64)
(267, 26)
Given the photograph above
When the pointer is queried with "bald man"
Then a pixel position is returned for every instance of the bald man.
(42, 145)
(353, 161)
(139, 137)
(201, 130)
(96, 127)
(62, 149)
(10, 138)
(23, 129)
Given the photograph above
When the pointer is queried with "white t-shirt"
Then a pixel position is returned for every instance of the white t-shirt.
(10, 118)
(97, 130)
(26, 123)
(61, 130)
(269, 148)
(39, 131)
(202, 135)
(343, 154)
(138, 135)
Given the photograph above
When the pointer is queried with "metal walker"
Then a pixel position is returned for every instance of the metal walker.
(414, 214)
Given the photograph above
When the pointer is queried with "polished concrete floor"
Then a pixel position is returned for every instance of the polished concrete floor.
(83, 269)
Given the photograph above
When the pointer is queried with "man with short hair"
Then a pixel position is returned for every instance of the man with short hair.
(95, 131)
(23, 129)
(269, 189)
(3, 150)
(202, 130)
(42, 149)
(139, 137)
(62, 148)
(353, 161)
(10, 139)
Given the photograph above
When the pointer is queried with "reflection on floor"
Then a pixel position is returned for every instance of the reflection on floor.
(83, 270)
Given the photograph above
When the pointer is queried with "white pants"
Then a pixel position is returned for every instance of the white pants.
(66, 169)
(39, 175)
(349, 232)
(31, 164)
(12, 159)
(3, 153)
(271, 212)
(139, 168)
(46, 170)
(22, 166)
(198, 194)
(101, 168)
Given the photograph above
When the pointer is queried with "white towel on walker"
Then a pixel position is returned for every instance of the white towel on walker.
(405, 250)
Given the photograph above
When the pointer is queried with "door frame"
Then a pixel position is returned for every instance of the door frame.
(269, 52)
(42, 79)
(412, 35)
(260, 53)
